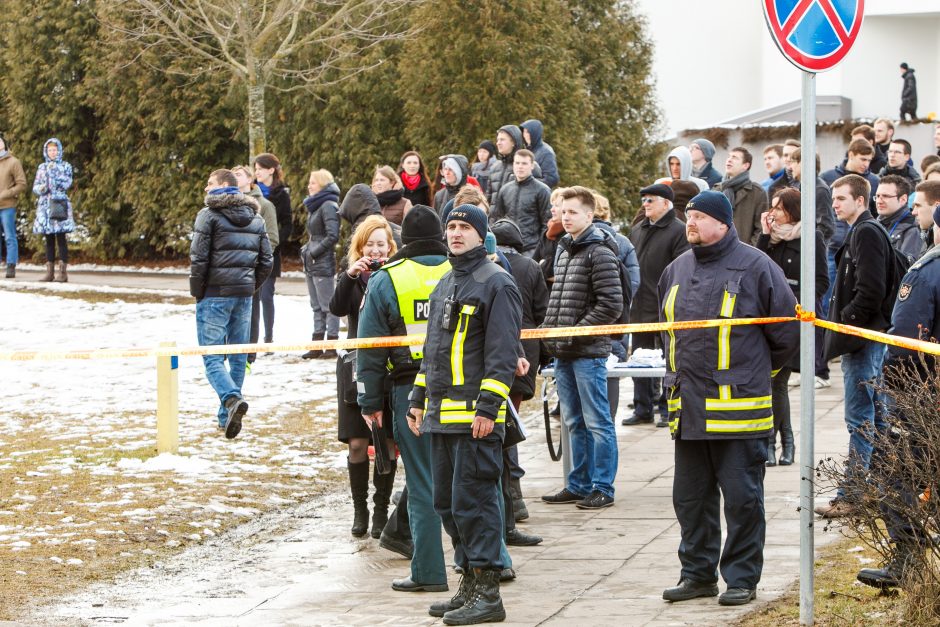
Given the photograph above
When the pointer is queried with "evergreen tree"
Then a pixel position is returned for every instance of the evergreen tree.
(477, 66)
(615, 55)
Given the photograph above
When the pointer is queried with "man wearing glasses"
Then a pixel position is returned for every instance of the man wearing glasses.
(899, 156)
(659, 238)
(893, 214)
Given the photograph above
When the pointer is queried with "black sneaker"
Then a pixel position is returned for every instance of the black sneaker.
(597, 500)
(565, 496)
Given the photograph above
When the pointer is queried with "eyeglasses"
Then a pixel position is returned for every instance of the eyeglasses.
(895, 152)
(646, 200)
(884, 196)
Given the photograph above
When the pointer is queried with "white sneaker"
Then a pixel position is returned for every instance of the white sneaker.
(821, 383)
(794, 380)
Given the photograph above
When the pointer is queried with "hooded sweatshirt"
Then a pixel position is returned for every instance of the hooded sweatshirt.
(685, 167)
(501, 172)
(448, 192)
(544, 153)
(360, 203)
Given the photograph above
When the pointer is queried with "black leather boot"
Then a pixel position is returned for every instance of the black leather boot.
(772, 451)
(786, 441)
(310, 354)
(329, 353)
(892, 574)
(464, 592)
(383, 494)
(484, 605)
(359, 487)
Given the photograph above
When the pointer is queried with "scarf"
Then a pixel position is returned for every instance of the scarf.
(410, 181)
(226, 190)
(730, 187)
(3, 153)
(554, 229)
(784, 232)
(389, 197)
(264, 188)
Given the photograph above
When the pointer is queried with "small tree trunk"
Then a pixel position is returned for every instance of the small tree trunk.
(256, 135)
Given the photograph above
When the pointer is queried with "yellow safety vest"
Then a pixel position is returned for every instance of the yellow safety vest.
(413, 283)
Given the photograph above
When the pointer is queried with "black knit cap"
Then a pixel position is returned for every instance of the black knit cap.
(421, 222)
(488, 145)
(472, 215)
(659, 189)
(714, 204)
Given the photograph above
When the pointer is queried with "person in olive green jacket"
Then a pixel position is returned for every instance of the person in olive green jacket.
(12, 184)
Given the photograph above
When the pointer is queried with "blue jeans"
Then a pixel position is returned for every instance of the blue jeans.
(824, 308)
(582, 392)
(224, 320)
(8, 227)
(863, 413)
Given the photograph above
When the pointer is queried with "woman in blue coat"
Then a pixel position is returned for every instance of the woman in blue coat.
(54, 210)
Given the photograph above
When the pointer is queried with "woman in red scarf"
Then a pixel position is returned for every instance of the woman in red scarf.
(414, 179)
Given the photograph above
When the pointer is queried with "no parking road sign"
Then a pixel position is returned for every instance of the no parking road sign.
(814, 35)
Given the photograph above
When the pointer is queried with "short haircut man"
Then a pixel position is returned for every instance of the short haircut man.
(899, 153)
(860, 298)
(925, 203)
(586, 292)
(928, 161)
(230, 257)
(884, 131)
(773, 163)
(748, 199)
(891, 202)
(864, 131)
(525, 200)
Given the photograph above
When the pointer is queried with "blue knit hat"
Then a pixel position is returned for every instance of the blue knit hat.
(714, 204)
(708, 148)
(472, 215)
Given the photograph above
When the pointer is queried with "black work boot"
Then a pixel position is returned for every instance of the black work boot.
(329, 353)
(359, 487)
(772, 451)
(786, 441)
(310, 354)
(484, 604)
(464, 592)
(383, 494)
(11, 270)
(892, 574)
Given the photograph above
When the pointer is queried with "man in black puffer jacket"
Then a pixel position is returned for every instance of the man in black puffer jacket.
(508, 141)
(230, 258)
(586, 292)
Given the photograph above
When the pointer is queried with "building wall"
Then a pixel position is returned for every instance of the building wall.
(715, 61)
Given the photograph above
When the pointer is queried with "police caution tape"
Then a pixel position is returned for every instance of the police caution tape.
(411, 340)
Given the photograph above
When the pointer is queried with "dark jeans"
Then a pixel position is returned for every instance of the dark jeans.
(267, 306)
(781, 402)
(51, 241)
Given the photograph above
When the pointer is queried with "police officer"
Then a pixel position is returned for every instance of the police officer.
(916, 315)
(396, 303)
(459, 399)
(719, 398)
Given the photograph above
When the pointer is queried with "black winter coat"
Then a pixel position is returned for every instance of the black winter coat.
(586, 292)
(420, 195)
(657, 245)
(501, 170)
(279, 195)
(230, 255)
(904, 232)
(346, 300)
(360, 203)
(528, 204)
(865, 263)
(318, 254)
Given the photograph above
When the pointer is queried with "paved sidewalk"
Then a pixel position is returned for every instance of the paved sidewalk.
(602, 568)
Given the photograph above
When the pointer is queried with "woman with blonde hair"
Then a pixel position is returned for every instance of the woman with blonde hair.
(319, 257)
(371, 245)
(388, 189)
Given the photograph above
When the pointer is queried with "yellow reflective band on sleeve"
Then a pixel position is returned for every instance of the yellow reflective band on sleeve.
(669, 309)
(739, 426)
(674, 404)
(773, 373)
(738, 404)
(494, 386)
(456, 348)
(674, 425)
(419, 380)
(457, 412)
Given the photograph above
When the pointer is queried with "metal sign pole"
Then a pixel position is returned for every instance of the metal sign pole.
(807, 343)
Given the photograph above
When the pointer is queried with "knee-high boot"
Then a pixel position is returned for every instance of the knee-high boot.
(786, 440)
(772, 451)
(359, 487)
(383, 494)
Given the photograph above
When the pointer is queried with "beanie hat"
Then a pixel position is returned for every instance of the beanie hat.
(905, 66)
(659, 189)
(451, 163)
(421, 222)
(472, 215)
(714, 204)
(708, 148)
(488, 145)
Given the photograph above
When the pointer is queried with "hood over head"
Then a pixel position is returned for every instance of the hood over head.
(238, 208)
(45, 154)
(463, 166)
(360, 201)
(535, 132)
(685, 162)
(516, 133)
(508, 234)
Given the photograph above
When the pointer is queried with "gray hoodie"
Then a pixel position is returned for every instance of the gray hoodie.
(685, 167)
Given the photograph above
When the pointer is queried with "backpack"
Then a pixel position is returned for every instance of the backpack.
(900, 263)
(626, 287)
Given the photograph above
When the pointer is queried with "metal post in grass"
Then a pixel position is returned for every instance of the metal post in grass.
(168, 430)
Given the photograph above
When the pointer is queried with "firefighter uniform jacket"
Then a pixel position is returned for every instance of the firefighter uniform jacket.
(469, 360)
(718, 379)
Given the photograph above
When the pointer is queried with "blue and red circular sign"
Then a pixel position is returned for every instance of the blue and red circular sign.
(814, 35)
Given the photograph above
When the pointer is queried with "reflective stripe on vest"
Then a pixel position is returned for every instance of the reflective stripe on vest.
(456, 348)
(669, 309)
(413, 283)
(463, 412)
